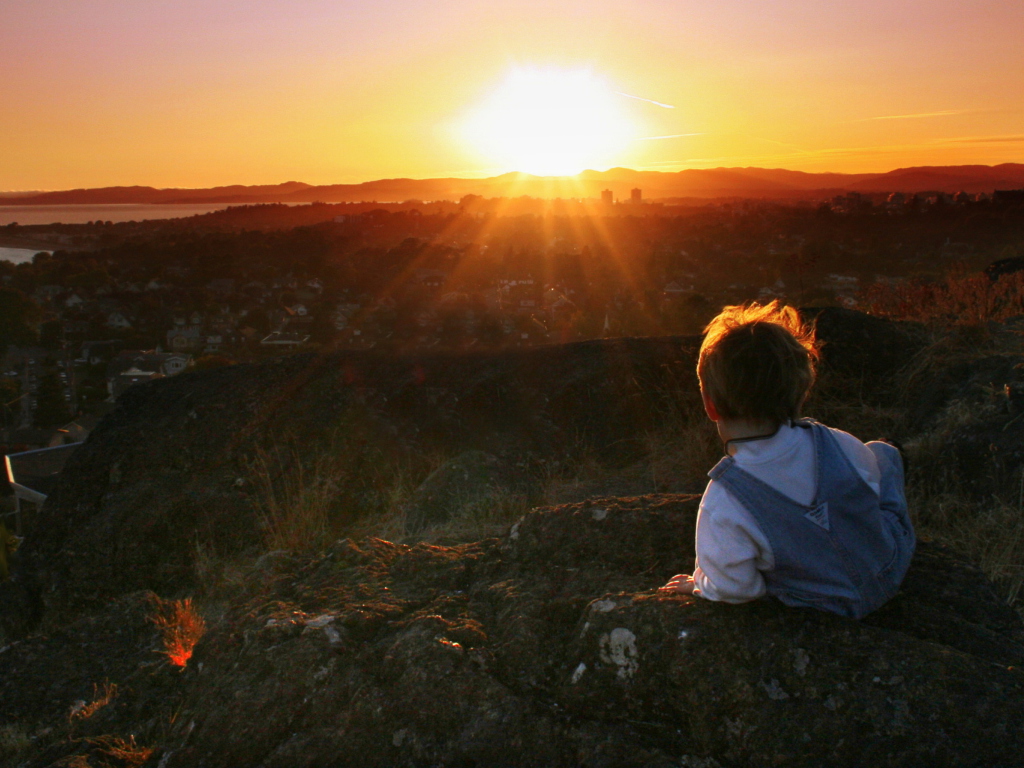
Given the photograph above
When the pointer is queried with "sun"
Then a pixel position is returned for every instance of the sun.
(550, 122)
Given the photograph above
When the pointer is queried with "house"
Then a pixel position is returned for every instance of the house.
(183, 337)
(75, 432)
(96, 352)
(562, 306)
(675, 290)
(118, 384)
(135, 366)
(214, 342)
(430, 278)
(285, 339)
(164, 363)
(248, 334)
(118, 322)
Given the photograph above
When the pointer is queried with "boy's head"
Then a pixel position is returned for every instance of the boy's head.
(757, 363)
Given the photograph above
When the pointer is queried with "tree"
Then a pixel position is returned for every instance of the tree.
(9, 391)
(206, 362)
(51, 410)
(19, 318)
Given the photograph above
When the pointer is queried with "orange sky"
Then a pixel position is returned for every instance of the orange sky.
(206, 92)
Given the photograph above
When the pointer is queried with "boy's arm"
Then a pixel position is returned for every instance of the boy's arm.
(732, 550)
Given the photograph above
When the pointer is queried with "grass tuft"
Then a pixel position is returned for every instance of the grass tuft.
(181, 627)
(124, 753)
(100, 700)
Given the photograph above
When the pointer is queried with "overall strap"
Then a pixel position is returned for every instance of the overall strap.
(723, 464)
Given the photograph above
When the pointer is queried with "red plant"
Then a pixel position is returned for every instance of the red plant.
(181, 627)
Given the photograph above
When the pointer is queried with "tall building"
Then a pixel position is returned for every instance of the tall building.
(635, 196)
(606, 197)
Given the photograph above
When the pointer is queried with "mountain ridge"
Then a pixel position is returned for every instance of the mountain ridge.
(700, 183)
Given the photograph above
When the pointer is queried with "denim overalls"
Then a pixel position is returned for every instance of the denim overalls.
(849, 550)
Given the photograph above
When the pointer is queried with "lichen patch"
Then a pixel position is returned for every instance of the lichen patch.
(618, 647)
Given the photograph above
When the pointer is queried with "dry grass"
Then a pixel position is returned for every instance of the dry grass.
(123, 753)
(181, 627)
(474, 518)
(306, 499)
(989, 532)
(956, 300)
(959, 313)
(295, 506)
(99, 701)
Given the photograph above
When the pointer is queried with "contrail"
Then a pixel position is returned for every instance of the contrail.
(649, 101)
(919, 114)
(670, 136)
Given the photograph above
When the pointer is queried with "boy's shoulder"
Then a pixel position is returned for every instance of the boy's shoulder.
(859, 454)
(718, 506)
(848, 442)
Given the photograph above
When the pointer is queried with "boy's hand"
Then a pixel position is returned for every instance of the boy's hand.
(681, 583)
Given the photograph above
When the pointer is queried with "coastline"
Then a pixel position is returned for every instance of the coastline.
(34, 243)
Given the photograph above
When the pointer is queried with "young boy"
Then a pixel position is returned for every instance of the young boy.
(797, 510)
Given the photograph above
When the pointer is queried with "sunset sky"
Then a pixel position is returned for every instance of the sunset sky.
(208, 92)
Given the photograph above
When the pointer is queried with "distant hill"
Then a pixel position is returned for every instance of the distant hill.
(702, 183)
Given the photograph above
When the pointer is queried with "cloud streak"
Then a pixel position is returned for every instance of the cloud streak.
(641, 98)
(669, 136)
(987, 140)
(916, 115)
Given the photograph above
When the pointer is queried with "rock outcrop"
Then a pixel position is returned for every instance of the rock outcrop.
(470, 481)
(548, 647)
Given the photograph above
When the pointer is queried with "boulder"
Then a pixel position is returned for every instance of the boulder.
(463, 485)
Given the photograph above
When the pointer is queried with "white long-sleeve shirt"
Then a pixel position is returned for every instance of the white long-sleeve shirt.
(732, 550)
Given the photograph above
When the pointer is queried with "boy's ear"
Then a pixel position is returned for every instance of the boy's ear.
(709, 407)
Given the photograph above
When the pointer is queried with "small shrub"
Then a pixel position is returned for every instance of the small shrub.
(181, 627)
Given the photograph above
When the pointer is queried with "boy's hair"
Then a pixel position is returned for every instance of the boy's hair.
(757, 362)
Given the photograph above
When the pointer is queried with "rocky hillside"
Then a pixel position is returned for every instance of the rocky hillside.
(548, 645)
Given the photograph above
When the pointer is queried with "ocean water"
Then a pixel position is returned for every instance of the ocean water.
(17, 255)
(80, 214)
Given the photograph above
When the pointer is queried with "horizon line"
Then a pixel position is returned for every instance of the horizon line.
(575, 177)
